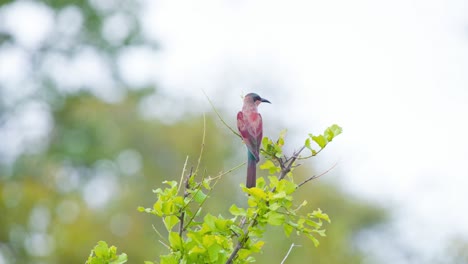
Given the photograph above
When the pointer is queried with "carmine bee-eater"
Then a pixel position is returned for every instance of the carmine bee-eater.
(249, 123)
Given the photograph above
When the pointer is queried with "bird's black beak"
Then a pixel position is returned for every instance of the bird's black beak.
(265, 100)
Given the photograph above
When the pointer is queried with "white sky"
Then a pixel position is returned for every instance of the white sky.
(393, 74)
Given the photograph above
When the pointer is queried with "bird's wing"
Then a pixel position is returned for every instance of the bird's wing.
(241, 125)
(259, 132)
(251, 132)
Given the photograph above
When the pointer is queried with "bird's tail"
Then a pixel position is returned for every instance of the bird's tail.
(251, 170)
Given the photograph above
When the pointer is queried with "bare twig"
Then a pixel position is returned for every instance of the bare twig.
(290, 162)
(202, 144)
(220, 118)
(159, 234)
(236, 249)
(313, 154)
(229, 171)
(186, 193)
(242, 241)
(317, 176)
(217, 179)
(289, 251)
(182, 176)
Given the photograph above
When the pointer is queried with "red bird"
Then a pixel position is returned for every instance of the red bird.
(249, 123)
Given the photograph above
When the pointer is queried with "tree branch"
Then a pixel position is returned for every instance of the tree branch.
(220, 118)
(317, 176)
(289, 251)
(290, 162)
(186, 193)
(241, 242)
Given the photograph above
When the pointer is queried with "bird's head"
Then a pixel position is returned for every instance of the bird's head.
(253, 98)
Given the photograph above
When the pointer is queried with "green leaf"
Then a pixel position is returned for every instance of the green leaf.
(321, 232)
(234, 210)
(157, 207)
(171, 183)
(239, 231)
(265, 142)
(175, 240)
(282, 135)
(267, 165)
(199, 196)
(101, 250)
(319, 214)
(313, 224)
(170, 221)
(279, 195)
(332, 132)
(244, 253)
(122, 258)
(275, 218)
(320, 140)
(213, 252)
(256, 192)
(102, 253)
(206, 183)
(307, 144)
(260, 182)
(169, 259)
(314, 240)
(287, 229)
(257, 246)
(158, 191)
(222, 225)
(289, 187)
(197, 250)
(274, 206)
(273, 182)
(209, 220)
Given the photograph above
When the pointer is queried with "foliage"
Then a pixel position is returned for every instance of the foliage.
(196, 237)
(103, 254)
(48, 189)
(46, 182)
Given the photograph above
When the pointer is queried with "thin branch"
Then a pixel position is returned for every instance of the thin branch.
(241, 242)
(317, 176)
(236, 249)
(186, 194)
(229, 171)
(218, 177)
(312, 155)
(244, 239)
(157, 232)
(202, 145)
(199, 187)
(182, 175)
(290, 162)
(220, 118)
(289, 251)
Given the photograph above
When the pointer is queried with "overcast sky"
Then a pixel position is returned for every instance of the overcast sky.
(393, 74)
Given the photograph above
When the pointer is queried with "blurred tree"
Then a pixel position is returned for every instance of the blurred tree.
(102, 162)
(81, 148)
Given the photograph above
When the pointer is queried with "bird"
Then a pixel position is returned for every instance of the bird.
(250, 125)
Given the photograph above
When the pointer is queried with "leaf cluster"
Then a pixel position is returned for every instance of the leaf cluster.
(103, 254)
(197, 237)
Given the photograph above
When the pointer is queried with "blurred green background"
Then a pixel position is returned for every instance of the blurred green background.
(78, 158)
